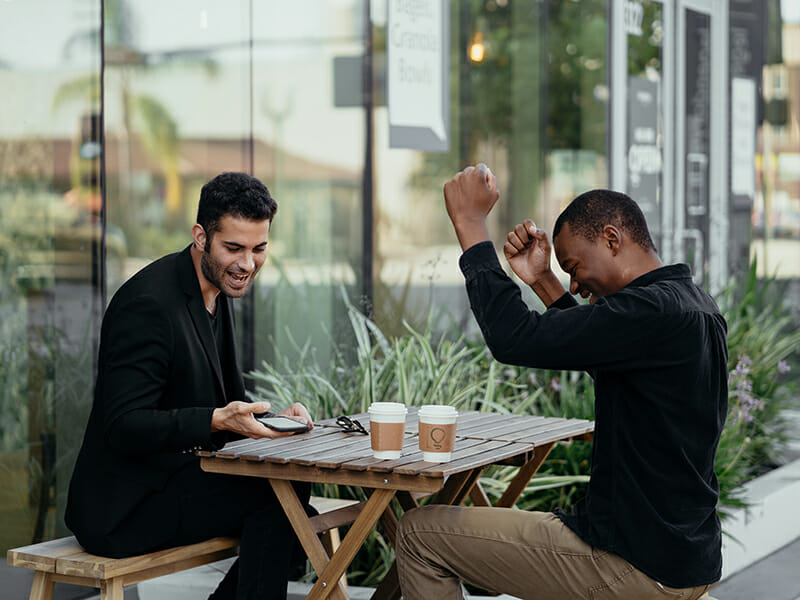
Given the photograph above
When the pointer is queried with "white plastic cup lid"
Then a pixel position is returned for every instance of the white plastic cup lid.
(437, 410)
(387, 408)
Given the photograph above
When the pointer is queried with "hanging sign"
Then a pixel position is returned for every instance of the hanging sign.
(418, 74)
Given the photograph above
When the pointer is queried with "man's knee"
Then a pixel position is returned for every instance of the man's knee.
(416, 523)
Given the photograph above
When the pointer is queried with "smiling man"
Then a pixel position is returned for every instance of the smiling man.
(169, 383)
(655, 345)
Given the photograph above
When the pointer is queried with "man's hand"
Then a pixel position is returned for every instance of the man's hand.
(238, 417)
(469, 197)
(298, 412)
(528, 253)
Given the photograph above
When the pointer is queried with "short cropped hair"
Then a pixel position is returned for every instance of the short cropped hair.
(236, 194)
(591, 211)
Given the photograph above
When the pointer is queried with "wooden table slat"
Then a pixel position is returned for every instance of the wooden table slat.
(367, 462)
(464, 448)
(412, 462)
(485, 425)
(249, 447)
(332, 456)
(523, 430)
(282, 452)
(495, 451)
(567, 431)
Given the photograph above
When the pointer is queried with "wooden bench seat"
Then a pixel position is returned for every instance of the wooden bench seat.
(64, 560)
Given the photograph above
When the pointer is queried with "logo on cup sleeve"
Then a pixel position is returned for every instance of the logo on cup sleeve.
(437, 434)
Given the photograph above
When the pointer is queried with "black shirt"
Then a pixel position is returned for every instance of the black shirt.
(223, 340)
(657, 352)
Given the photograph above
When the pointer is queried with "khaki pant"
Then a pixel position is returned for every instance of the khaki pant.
(530, 555)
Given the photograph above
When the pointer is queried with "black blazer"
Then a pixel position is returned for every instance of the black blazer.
(159, 380)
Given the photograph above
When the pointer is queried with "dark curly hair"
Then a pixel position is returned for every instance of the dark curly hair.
(591, 211)
(236, 194)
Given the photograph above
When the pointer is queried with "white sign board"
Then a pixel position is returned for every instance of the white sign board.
(743, 139)
(418, 73)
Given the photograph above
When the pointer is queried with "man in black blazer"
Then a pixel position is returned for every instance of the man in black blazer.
(169, 383)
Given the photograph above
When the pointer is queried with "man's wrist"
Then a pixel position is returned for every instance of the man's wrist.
(548, 287)
(216, 420)
(471, 231)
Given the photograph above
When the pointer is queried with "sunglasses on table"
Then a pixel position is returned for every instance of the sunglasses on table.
(350, 425)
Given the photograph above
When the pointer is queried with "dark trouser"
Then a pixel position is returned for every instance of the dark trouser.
(205, 505)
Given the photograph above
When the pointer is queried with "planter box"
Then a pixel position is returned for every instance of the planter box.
(771, 521)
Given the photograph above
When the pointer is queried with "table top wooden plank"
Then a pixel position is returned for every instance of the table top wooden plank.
(234, 449)
(575, 428)
(283, 449)
(367, 461)
(546, 428)
(489, 425)
(464, 448)
(525, 429)
(409, 462)
(367, 479)
(331, 457)
(491, 453)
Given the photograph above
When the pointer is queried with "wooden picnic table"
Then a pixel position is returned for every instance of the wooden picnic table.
(327, 454)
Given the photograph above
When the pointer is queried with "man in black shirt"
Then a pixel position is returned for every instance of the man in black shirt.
(655, 345)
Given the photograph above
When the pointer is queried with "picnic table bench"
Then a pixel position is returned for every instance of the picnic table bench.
(64, 560)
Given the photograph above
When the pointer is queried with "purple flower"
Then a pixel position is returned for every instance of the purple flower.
(556, 384)
(743, 365)
(783, 367)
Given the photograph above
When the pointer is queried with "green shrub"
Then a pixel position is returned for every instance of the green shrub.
(762, 340)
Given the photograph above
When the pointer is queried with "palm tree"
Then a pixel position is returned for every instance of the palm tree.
(158, 133)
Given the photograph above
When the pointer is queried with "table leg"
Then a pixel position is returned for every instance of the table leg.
(305, 532)
(457, 487)
(478, 496)
(389, 525)
(358, 532)
(524, 475)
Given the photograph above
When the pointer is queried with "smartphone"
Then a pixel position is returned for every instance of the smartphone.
(280, 423)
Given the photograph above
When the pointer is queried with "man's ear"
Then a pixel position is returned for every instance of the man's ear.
(612, 239)
(199, 236)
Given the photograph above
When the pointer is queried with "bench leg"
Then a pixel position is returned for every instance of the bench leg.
(42, 588)
(111, 589)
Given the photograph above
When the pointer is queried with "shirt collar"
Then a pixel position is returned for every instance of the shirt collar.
(677, 271)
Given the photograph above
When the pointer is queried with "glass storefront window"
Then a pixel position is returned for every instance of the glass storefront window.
(50, 267)
(530, 103)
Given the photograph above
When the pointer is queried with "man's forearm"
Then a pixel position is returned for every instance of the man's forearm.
(471, 232)
(548, 288)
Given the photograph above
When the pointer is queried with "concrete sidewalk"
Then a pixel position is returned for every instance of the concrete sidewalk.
(776, 577)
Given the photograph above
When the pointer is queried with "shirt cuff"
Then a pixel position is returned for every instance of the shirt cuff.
(566, 300)
(477, 258)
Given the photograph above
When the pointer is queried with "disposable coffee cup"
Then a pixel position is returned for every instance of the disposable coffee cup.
(437, 432)
(387, 423)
